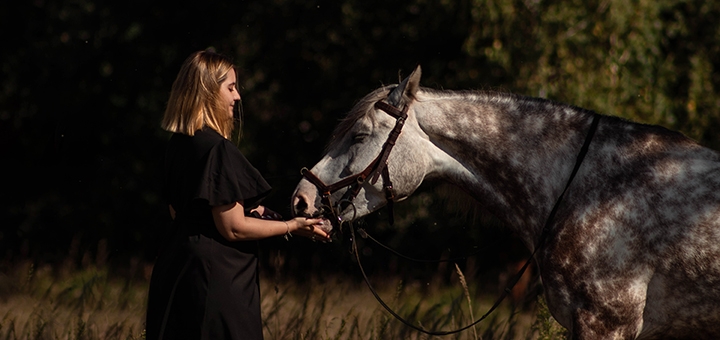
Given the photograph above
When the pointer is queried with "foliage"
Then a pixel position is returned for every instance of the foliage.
(545, 326)
(84, 85)
(653, 62)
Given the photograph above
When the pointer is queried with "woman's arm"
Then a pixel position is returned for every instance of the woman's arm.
(233, 225)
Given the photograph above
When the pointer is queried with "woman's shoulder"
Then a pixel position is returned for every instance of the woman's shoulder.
(202, 139)
(208, 136)
(198, 146)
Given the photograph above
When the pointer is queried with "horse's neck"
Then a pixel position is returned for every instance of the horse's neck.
(506, 153)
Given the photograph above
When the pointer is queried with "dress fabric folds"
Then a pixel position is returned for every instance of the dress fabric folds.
(202, 286)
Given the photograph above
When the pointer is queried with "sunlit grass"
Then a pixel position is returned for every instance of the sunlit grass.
(40, 303)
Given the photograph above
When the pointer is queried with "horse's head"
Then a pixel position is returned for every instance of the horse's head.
(375, 146)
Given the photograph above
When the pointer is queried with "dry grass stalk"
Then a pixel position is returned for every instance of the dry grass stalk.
(464, 285)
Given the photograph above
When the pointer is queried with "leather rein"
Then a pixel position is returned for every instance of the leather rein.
(379, 167)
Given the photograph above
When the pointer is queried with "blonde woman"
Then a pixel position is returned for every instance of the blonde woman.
(204, 284)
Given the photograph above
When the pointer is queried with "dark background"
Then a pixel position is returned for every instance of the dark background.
(84, 85)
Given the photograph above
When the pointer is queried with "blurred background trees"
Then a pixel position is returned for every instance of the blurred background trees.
(84, 85)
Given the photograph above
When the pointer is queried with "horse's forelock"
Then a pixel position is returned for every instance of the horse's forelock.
(363, 108)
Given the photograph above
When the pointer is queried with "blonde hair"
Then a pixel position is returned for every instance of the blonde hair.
(195, 100)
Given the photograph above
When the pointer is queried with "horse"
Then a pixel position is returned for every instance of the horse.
(628, 249)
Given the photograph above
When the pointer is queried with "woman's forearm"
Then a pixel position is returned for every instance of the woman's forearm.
(233, 225)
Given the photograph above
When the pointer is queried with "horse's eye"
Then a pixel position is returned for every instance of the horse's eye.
(360, 137)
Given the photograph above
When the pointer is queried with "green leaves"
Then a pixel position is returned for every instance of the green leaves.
(647, 61)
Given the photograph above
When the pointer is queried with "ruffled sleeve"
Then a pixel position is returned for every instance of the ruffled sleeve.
(229, 177)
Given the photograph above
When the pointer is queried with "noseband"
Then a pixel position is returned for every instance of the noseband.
(378, 167)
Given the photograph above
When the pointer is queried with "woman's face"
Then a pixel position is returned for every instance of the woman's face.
(228, 91)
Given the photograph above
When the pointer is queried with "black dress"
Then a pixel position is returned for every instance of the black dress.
(202, 286)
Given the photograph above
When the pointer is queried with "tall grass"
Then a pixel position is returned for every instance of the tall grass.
(36, 303)
(338, 309)
(40, 303)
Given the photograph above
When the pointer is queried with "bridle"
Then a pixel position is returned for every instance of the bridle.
(378, 167)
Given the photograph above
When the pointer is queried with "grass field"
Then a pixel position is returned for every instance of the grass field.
(46, 303)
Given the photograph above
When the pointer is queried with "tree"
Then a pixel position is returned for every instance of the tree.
(652, 62)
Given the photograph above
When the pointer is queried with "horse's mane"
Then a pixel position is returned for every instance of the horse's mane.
(365, 105)
(484, 96)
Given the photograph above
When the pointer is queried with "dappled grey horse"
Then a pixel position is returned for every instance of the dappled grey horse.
(633, 250)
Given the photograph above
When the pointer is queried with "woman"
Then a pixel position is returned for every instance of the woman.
(204, 284)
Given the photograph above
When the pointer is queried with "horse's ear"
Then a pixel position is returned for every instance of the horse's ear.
(407, 88)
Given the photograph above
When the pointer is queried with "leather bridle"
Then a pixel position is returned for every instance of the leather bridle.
(378, 167)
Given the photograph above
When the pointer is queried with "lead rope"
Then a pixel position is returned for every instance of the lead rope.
(407, 323)
(364, 234)
(516, 278)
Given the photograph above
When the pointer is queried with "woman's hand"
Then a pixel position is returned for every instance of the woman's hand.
(312, 228)
(233, 225)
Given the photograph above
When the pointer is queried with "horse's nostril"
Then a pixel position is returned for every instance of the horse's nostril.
(301, 205)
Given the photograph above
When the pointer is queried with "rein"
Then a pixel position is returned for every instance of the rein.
(379, 165)
(364, 234)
